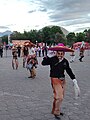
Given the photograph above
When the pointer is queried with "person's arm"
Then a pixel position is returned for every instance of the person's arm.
(69, 71)
(28, 60)
(46, 61)
(75, 84)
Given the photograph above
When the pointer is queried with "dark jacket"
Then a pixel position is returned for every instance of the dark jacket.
(25, 51)
(57, 68)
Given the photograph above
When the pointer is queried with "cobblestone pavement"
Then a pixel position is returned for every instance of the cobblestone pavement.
(23, 98)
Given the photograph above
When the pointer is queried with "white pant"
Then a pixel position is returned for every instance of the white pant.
(72, 59)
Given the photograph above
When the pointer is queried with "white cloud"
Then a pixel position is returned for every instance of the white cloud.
(20, 15)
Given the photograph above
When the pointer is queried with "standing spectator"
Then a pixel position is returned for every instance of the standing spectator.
(46, 50)
(43, 51)
(1, 51)
(19, 50)
(39, 51)
(81, 54)
(15, 59)
(72, 55)
(25, 55)
(31, 50)
(36, 49)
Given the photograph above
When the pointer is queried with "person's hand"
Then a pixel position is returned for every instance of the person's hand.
(51, 53)
(76, 88)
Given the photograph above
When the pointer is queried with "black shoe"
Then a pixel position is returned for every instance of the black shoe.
(30, 77)
(61, 114)
(81, 61)
(57, 117)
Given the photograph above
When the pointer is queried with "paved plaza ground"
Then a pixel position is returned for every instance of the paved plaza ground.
(23, 98)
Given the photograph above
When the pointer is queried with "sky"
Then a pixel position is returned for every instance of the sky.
(25, 15)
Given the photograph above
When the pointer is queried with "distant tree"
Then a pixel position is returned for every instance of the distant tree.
(46, 34)
(5, 39)
(55, 29)
(80, 37)
(39, 36)
(71, 38)
(57, 34)
(85, 31)
(60, 38)
(87, 35)
(52, 35)
(33, 36)
(17, 36)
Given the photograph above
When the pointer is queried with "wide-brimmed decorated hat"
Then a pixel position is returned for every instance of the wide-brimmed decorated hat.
(61, 47)
(28, 43)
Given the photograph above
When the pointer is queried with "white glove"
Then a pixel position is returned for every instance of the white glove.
(51, 53)
(76, 88)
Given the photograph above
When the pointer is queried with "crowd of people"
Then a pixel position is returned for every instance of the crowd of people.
(29, 54)
(58, 65)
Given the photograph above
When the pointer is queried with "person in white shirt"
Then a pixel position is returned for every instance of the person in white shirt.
(31, 50)
(31, 62)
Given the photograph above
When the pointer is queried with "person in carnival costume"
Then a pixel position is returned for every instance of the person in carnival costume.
(58, 65)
